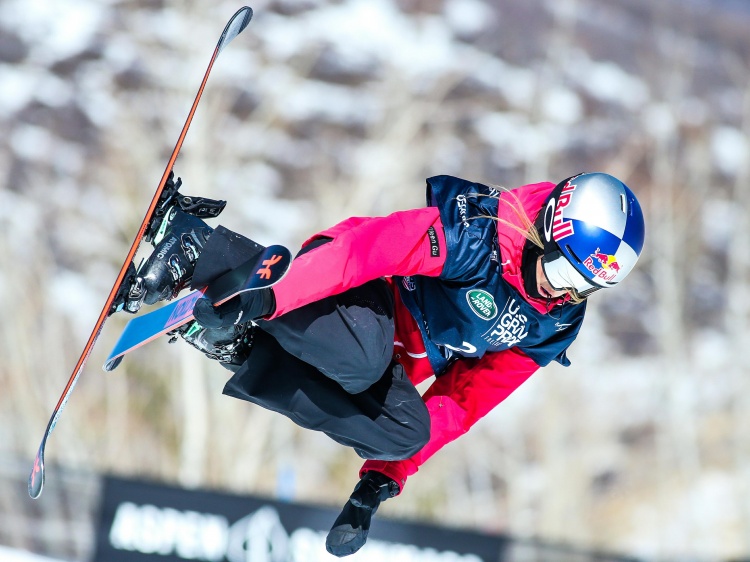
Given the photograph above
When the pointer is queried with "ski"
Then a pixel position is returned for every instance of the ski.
(261, 271)
(233, 28)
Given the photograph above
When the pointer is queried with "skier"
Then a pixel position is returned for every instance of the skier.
(480, 288)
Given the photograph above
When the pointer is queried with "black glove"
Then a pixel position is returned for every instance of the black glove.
(247, 306)
(349, 531)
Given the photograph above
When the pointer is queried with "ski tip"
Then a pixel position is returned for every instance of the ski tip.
(235, 26)
(36, 478)
(112, 364)
(248, 15)
(262, 270)
(240, 20)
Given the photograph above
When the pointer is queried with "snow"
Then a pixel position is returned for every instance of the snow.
(31, 142)
(705, 518)
(265, 179)
(68, 159)
(333, 103)
(56, 29)
(70, 292)
(19, 85)
(468, 17)
(13, 555)
(562, 105)
(361, 30)
(265, 215)
(712, 352)
(53, 91)
(120, 53)
(95, 97)
(35, 143)
(516, 137)
(517, 85)
(371, 158)
(22, 220)
(730, 149)
(608, 82)
(659, 120)
(719, 219)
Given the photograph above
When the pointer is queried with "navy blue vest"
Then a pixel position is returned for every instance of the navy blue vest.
(470, 309)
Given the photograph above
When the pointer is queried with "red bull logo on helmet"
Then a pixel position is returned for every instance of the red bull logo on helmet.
(607, 261)
(562, 228)
(603, 266)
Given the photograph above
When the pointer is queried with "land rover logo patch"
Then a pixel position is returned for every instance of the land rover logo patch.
(482, 303)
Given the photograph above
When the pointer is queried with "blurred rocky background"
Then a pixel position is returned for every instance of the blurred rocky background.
(323, 109)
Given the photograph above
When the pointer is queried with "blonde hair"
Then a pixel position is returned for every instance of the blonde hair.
(528, 229)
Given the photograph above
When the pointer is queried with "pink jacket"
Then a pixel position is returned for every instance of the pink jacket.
(363, 249)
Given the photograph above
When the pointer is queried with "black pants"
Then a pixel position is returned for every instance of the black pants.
(328, 365)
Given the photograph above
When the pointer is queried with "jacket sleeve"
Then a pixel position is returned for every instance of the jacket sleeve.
(403, 243)
(458, 399)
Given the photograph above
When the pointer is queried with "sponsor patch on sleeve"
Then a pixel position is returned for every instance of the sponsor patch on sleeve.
(434, 243)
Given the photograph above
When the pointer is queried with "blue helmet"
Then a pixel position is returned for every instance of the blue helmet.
(593, 232)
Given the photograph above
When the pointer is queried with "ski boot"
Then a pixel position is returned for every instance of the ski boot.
(230, 345)
(148, 283)
(178, 234)
(169, 269)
